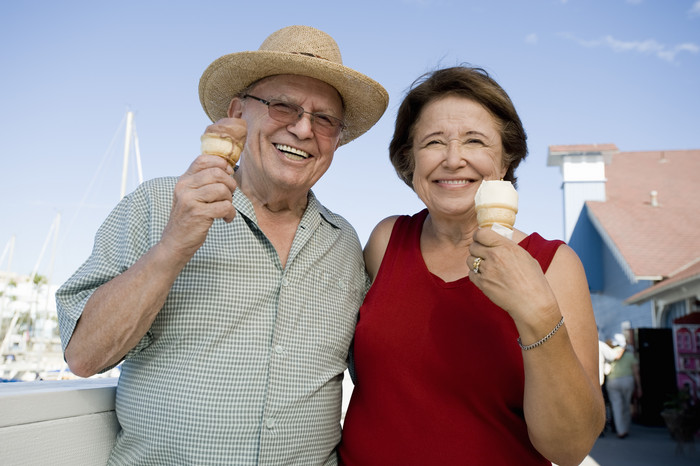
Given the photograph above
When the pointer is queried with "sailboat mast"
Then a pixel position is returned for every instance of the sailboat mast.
(129, 136)
(9, 248)
(127, 145)
(139, 170)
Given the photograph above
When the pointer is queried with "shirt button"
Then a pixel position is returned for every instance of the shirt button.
(285, 282)
(270, 423)
(279, 349)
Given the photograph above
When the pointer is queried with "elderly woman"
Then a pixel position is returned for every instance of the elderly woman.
(459, 360)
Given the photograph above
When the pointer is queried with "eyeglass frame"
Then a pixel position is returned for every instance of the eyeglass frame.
(340, 124)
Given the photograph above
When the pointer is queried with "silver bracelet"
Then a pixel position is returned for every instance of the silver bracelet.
(547, 337)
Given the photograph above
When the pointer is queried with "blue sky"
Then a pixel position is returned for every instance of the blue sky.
(600, 71)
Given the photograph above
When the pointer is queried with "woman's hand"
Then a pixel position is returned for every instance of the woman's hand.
(510, 277)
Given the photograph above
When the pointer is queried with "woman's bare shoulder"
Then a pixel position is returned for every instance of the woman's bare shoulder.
(377, 244)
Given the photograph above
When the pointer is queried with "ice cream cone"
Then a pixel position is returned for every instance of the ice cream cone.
(224, 145)
(496, 203)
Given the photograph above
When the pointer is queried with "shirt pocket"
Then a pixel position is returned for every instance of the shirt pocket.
(332, 311)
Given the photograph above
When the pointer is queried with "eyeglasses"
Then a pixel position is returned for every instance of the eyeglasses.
(289, 113)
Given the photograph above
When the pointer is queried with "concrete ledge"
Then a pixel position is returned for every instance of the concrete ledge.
(57, 422)
(27, 402)
(82, 440)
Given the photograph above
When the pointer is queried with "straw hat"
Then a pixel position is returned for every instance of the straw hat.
(299, 50)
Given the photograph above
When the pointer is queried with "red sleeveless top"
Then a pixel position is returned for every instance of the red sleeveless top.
(439, 373)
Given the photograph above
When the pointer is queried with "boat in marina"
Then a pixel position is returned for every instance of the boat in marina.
(30, 347)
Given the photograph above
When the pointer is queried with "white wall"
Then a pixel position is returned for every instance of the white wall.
(70, 422)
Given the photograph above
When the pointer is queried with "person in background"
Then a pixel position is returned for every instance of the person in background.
(607, 355)
(232, 298)
(470, 348)
(622, 383)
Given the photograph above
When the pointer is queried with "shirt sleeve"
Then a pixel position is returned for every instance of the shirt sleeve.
(607, 352)
(120, 241)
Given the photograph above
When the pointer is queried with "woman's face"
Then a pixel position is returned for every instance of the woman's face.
(456, 145)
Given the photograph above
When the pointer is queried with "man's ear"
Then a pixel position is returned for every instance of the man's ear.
(235, 108)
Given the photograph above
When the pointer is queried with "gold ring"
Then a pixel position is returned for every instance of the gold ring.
(476, 264)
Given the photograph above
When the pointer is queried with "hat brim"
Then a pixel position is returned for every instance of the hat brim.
(364, 99)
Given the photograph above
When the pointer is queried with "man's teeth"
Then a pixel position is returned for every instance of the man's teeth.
(295, 153)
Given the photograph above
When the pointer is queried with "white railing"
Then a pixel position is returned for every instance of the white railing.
(67, 422)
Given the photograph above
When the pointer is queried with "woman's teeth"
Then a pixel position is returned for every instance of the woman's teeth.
(453, 181)
(292, 153)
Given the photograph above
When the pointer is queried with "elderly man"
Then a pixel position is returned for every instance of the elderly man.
(231, 296)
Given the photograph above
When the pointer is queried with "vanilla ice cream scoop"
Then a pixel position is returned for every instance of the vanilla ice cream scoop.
(496, 204)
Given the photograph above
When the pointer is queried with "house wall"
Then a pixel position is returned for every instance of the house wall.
(575, 195)
(608, 304)
(583, 180)
(607, 281)
(587, 243)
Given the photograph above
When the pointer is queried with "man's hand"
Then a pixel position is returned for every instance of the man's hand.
(203, 193)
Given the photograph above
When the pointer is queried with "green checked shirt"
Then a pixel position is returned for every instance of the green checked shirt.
(244, 363)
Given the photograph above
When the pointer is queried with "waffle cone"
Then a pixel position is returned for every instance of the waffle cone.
(487, 215)
(224, 147)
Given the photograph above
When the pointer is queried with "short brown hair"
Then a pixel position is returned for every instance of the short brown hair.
(463, 81)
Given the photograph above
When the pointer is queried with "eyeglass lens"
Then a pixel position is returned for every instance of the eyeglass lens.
(289, 113)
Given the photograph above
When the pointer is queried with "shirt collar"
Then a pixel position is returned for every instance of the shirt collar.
(313, 208)
(325, 214)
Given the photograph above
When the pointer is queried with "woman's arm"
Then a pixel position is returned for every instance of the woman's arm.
(563, 402)
(376, 245)
(563, 406)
